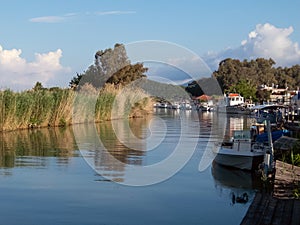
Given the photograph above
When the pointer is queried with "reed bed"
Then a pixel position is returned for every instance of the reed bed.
(62, 107)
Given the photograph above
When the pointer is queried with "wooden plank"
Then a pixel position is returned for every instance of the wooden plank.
(278, 213)
(286, 177)
(261, 209)
(267, 210)
(282, 208)
(282, 166)
(296, 213)
(269, 213)
(287, 212)
(251, 216)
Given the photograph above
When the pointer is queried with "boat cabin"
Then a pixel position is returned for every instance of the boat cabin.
(233, 99)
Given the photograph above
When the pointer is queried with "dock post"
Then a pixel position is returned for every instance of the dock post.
(269, 156)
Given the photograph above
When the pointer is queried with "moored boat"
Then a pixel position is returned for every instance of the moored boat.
(241, 152)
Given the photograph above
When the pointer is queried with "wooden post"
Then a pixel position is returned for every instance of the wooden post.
(269, 157)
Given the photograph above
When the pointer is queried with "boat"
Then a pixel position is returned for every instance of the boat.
(205, 107)
(185, 106)
(242, 152)
(274, 113)
(245, 150)
(238, 109)
(234, 104)
(276, 134)
(175, 105)
(162, 105)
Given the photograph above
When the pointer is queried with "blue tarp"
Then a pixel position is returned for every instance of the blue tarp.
(275, 135)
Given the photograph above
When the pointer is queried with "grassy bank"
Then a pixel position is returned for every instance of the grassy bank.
(54, 106)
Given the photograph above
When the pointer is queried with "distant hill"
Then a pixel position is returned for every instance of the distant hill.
(168, 92)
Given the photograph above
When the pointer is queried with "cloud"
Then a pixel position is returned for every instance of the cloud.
(17, 73)
(65, 17)
(47, 19)
(52, 19)
(266, 41)
(103, 13)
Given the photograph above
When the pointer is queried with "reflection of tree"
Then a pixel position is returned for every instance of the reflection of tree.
(116, 150)
(30, 147)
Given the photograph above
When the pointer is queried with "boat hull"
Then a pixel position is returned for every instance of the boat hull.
(238, 110)
(240, 161)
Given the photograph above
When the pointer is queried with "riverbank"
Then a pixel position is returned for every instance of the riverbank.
(55, 106)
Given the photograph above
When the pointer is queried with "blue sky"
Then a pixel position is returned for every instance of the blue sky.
(50, 41)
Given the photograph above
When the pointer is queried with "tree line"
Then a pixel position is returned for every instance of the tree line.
(245, 77)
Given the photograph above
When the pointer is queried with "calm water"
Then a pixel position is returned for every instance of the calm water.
(45, 180)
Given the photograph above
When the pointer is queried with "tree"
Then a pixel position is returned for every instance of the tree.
(245, 88)
(110, 66)
(38, 86)
(263, 95)
(194, 89)
(75, 81)
(127, 74)
(259, 71)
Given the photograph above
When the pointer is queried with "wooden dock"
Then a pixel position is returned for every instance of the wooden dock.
(279, 207)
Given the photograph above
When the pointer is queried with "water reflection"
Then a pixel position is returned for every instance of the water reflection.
(30, 148)
(145, 152)
(240, 184)
(102, 151)
(104, 161)
(72, 196)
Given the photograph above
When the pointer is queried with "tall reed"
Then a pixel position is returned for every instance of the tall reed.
(54, 106)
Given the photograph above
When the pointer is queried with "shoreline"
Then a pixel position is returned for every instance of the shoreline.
(36, 127)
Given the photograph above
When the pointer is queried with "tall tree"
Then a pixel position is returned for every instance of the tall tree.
(110, 66)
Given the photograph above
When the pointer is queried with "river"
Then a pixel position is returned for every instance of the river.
(44, 178)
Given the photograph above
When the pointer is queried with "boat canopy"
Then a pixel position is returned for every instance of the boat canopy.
(266, 107)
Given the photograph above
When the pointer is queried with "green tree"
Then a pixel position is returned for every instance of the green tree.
(75, 81)
(38, 86)
(245, 88)
(110, 66)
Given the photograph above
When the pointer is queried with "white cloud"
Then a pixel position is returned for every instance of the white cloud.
(47, 19)
(52, 19)
(266, 41)
(103, 13)
(65, 17)
(17, 73)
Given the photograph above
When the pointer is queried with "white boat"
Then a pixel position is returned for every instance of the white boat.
(161, 105)
(241, 152)
(185, 106)
(235, 104)
(175, 105)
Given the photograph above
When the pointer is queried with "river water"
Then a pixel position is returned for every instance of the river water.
(44, 178)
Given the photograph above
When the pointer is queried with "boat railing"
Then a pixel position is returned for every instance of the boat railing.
(258, 147)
